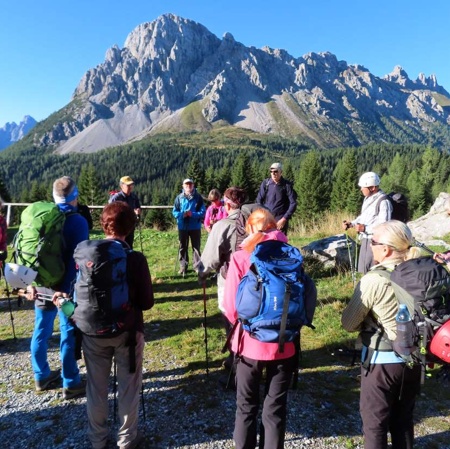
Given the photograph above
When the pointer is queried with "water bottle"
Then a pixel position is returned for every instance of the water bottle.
(404, 342)
(67, 306)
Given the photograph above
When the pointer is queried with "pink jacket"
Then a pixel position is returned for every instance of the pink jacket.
(249, 347)
(214, 213)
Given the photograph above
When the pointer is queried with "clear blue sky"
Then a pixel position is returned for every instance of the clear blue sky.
(47, 45)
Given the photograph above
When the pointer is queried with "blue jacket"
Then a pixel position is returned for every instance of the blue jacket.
(184, 204)
(75, 231)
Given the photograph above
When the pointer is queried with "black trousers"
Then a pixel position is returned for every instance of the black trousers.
(388, 396)
(248, 377)
(184, 236)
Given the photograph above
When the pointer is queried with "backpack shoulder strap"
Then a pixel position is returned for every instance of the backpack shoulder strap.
(378, 205)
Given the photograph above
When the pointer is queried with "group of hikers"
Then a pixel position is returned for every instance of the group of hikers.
(236, 231)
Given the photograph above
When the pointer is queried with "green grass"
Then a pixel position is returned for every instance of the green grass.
(175, 338)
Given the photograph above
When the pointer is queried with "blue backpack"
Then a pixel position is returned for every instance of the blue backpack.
(270, 302)
(103, 306)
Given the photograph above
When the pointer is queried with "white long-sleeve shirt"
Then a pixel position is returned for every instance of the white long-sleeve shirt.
(369, 218)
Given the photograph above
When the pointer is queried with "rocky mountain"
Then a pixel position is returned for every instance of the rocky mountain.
(13, 132)
(174, 75)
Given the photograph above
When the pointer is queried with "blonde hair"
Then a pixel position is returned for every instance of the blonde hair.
(261, 220)
(399, 237)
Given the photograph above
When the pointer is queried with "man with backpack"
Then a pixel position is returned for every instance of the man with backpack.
(127, 195)
(376, 209)
(75, 230)
(278, 195)
(221, 244)
(189, 211)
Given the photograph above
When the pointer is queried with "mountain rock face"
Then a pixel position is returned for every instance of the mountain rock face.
(12, 132)
(174, 75)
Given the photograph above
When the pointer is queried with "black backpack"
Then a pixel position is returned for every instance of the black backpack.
(103, 306)
(399, 204)
(424, 286)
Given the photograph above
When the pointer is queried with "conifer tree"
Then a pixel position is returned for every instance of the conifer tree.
(224, 179)
(90, 192)
(396, 177)
(345, 194)
(288, 172)
(312, 188)
(430, 163)
(417, 196)
(197, 174)
(242, 175)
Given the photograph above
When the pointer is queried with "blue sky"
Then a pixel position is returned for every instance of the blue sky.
(47, 45)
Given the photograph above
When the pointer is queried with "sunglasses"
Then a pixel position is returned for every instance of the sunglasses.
(375, 243)
(273, 171)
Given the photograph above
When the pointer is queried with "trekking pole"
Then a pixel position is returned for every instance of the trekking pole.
(352, 268)
(115, 389)
(138, 218)
(197, 261)
(11, 316)
(424, 247)
(204, 326)
(142, 401)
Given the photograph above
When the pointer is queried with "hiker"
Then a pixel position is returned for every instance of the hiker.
(216, 211)
(75, 230)
(127, 195)
(189, 211)
(369, 184)
(219, 247)
(278, 195)
(254, 356)
(117, 220)
(3, 236)
(388, 386)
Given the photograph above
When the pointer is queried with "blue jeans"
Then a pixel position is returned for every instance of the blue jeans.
(43, 330)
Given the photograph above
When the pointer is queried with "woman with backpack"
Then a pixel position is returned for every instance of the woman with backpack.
(125, 342)
(253, 356)
(388, 386)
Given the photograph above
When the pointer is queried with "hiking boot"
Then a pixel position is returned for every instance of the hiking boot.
(136, 442)
(74, 392)
(44, 384)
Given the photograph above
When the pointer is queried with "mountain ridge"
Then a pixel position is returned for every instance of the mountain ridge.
(174, 75)
(12, 132)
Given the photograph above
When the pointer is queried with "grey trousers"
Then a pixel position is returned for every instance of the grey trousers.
(98, 355)
(365, 260)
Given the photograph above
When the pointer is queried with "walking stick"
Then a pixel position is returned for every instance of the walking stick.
(352, 267)
(140, 232)
(11, 316)
(197, 262)
(204, 326)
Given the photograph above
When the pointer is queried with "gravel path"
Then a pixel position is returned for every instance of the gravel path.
(186, 411)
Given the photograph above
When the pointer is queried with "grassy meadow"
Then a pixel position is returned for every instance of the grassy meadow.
(175, 332)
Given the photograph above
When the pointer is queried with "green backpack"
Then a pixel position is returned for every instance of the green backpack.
(39, 243)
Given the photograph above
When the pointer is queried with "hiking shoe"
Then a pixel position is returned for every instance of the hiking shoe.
(136, 442)
(74, 392)
(44, 384)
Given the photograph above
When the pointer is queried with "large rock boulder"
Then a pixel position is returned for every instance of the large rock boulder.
(333, 252)
(431, 227)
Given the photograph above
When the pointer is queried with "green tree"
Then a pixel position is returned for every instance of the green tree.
(242, 175)
(345, 194)
(288, 173)
(197, 174)
(395, 180)
(417, 196)
(312, 188)
(90, 192)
